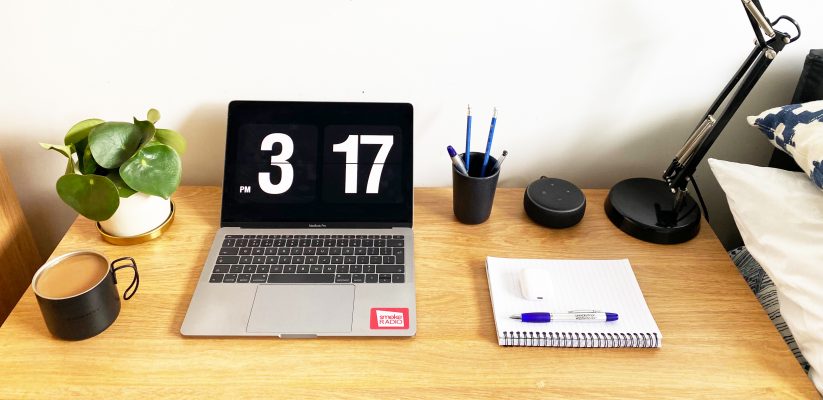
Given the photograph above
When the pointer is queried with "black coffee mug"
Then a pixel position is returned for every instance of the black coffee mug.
(89, 313)
(473, 195)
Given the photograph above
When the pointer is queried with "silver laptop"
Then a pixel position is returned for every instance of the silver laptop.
(315, 233)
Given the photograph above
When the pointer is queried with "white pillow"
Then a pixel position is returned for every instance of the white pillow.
(780, 217)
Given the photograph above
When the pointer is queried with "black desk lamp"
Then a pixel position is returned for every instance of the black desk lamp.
(662, 211)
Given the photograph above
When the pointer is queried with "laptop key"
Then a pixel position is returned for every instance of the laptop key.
(271, 260)
(289, 269)
(335, 251)
(316, 269)
(243, 278)
(398, 237)
(388, 259)
(302, 269)
(230, 278)
(380, 242)
(348, 251)
(311, 260)
(356, 269)
(283, 251)
(285, 260)
(245, 251)
(384, 278)
(292, 242)
(390, 269)
(328, 269)
(375, 260)
(258, 251)
(349, 259)
(342, 278)
(317, 243)
(369, 269)
(244, 259)
(254, 242)
(323, 259)
(241, 243)
(342, 269)
(372, 251)
(398, 278)
(234, 236)
(259, 260)
(394, 243)
(322, 251)
(263, 269)
(249, 269)
(385, 251)
(371, 278)
(358, 278)
(296, 251)
(360, 251)
(267, 243)
(236, 269)
(362, 259)
(298, 259)
(227, 259)
(271, 251)
(259, 278)
(216, 278)
(220, 269)
(301, 278)
(229, 251)
(304, 243)
(337, 260)
(276, 269)
(310, 251)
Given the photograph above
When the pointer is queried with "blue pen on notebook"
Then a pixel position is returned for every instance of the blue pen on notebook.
(489, 143)
(468, 136)
(575, 316)
(458, 163)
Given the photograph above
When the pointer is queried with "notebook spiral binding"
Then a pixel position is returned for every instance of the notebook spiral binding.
(576, 340)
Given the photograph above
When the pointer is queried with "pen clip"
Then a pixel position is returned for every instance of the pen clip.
(583, 311)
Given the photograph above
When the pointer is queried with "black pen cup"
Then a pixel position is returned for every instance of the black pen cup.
(473, 195)
(88, 313)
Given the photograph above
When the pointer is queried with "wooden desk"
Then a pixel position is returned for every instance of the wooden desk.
(718, 342)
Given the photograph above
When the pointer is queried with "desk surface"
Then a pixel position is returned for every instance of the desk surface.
(730, 350)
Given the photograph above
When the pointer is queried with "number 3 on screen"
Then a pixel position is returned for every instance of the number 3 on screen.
(350, 147)
(279, 160)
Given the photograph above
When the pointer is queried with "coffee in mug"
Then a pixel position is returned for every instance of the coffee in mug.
(77, 293)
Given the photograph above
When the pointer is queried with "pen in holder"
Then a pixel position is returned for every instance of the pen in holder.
(473, 195)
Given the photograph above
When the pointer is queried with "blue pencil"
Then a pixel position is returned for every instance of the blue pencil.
(468, 137)
(489, 143)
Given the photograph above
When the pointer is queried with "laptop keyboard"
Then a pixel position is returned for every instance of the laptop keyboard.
(310, 259)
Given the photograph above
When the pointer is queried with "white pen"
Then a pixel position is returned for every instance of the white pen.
(458, 163)
(579, 316)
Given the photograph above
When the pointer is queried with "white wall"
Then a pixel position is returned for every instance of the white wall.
(590, 91)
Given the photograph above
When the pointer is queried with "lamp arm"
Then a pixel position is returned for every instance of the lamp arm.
(680, 170)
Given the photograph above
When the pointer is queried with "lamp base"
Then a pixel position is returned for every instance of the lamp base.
(642, 207)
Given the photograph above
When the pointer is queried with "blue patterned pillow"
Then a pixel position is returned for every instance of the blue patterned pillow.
(797, 129)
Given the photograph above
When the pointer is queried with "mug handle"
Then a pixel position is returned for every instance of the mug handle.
(134, 283)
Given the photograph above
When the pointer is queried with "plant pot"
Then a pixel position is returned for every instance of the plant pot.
(139, 218)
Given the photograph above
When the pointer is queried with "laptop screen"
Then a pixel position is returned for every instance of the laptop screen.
(307, 164)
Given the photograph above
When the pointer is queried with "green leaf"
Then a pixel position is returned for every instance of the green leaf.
(85, 161)
(171, 138)
(155, 170)
(93, 196)
(153, 116)
(112, 143)
(81, 130)
(64, 150)
(122, 189)
(146, 130)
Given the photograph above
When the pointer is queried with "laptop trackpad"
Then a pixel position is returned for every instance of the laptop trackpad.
(302, 309)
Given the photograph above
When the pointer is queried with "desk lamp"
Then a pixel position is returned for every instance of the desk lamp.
(662, 211)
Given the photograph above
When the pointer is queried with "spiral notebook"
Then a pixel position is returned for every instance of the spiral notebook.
(605, 285)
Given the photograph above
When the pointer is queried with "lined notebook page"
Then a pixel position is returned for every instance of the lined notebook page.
(605, 285)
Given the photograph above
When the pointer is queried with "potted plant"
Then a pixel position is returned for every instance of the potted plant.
(121, 174)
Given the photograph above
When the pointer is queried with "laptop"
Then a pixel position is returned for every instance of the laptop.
(315, 233)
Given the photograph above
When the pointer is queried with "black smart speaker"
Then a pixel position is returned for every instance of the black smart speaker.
(553, 202)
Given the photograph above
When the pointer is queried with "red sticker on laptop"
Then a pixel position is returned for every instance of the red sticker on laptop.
(389, 318)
